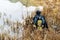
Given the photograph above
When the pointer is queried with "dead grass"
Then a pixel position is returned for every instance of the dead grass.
(52, 15)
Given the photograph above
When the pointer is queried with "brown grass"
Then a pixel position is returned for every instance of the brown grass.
(52, 14)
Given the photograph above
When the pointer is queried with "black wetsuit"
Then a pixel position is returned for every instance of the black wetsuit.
(40, 17)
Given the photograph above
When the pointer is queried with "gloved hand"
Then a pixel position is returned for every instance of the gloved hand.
(34, 26)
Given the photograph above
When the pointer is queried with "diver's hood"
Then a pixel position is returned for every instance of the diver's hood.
(38, 12)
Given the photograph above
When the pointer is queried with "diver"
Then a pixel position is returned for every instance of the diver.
(39, 21)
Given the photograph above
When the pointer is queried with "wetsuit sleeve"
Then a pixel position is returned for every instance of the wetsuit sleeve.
(35, 20)
(44, 22)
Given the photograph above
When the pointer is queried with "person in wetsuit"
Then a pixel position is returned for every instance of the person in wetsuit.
(37, 17)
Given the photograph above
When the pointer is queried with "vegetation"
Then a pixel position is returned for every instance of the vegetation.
(52, 14)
